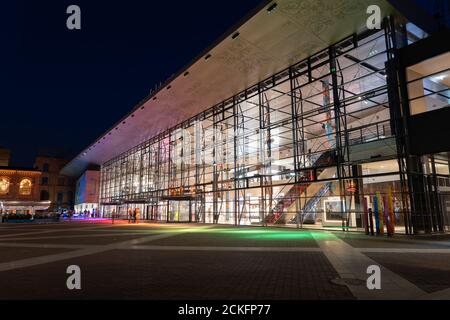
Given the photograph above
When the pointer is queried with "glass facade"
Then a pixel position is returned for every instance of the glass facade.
(429, 84)
(312, 146)
(427, 95)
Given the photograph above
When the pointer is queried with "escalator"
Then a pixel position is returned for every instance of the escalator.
(287, 201)
(308, 214)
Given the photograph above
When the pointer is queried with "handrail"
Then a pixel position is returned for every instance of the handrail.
(368, 131)
(367, 125)
(278, 199)
(284, 186)
(375, 130)
(314, 200)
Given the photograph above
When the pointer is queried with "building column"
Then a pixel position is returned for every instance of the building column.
(420, 217)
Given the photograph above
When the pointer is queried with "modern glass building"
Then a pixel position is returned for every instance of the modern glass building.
(300, 117)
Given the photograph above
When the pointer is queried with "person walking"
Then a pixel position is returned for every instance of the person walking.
(130, 215)
(134, 215)
(138, 215)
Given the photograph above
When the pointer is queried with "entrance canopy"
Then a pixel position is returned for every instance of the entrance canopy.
(264, 44)
(31, 206)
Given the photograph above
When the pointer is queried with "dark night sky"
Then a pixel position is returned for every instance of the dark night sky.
(63, 89)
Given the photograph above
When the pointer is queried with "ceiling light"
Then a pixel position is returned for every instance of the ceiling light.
(439, 78)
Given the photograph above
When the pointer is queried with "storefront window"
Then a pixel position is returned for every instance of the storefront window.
(25, 187)
(373, 170)
(4, 186)
(429, 84)
(442, 168)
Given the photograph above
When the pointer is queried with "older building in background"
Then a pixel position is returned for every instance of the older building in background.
(19, 191)
(5, 156)
(53, 186)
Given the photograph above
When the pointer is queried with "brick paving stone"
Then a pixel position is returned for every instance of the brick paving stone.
(12, 254)
(364, 241)
(11, 233)
(101, 240)
(237, 240)
(144, 274)
(82, 233)
(428, 271)
(180, 274)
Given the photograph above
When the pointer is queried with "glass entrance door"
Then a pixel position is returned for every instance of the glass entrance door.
(152, 212)
(179, 211)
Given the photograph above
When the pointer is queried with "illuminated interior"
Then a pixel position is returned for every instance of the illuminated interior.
(303, 148)
(4, 186)
(25, 187)
(429, 84)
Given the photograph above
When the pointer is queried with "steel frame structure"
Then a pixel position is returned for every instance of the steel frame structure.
(262, 156)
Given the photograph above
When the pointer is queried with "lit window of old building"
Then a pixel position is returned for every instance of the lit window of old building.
(4, 186)
(25, 187)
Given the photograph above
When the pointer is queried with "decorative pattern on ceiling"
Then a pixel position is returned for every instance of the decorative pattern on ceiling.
(243, 56)
(267, 44)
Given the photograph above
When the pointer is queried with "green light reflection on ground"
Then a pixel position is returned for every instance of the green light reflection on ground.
(247, 233)
(260, 234)
(286, 235)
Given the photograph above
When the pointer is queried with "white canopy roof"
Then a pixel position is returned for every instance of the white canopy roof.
(267, 43)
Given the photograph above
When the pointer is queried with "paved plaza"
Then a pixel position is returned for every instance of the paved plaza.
(187, 261)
